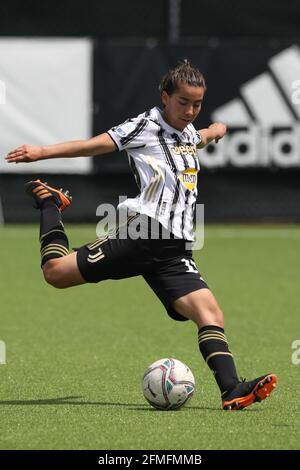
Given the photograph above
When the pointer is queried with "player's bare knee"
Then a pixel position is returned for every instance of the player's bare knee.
(53, 276)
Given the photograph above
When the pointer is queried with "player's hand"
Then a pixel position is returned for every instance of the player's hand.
(24, 154)
(219, 129)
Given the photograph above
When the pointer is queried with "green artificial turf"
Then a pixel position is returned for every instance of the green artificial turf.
(75, 358)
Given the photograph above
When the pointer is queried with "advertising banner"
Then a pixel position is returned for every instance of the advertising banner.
(45, 98)
(254, 90)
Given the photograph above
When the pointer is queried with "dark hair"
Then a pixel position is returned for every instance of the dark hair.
(183, 73)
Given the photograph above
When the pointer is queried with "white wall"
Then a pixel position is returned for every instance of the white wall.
(45, 98)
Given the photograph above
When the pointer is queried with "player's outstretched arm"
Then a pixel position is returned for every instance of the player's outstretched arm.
(214, 132)
(78, 148)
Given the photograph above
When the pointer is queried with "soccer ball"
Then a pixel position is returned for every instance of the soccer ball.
(168, 384)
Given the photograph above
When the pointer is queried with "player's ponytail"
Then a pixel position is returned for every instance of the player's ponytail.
(184, 72)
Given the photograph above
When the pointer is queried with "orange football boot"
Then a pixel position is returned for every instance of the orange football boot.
(247, 393)
(41, 191)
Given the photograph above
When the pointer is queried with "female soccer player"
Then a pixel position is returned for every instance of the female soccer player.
(162, 150)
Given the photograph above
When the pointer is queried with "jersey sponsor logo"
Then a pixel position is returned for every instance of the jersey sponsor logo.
(189, 178)
(184, 150)
(264, 122)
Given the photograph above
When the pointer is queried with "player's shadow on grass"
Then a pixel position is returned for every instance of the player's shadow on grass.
(62, 401)
(72, 400)
(69, 401)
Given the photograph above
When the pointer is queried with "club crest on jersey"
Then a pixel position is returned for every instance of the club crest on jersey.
(189, 178)
(184, 150)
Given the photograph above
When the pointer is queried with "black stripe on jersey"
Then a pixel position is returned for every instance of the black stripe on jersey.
(184, 213)
(193, 136)
(193, 216)
(157, 213)
(185, 161)
(138, 147)
(192, 143)
(155, 121)
(187, 192)
(170, 161)
(166, 150)
(134, 171)
(196, 162)
(189, 132)
(199, 136)
(178, 142)
(159, 201)
(195, 158)
(136, 131)
(174, 203)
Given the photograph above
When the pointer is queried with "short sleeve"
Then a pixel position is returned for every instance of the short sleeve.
(130, 134)
(198, 138)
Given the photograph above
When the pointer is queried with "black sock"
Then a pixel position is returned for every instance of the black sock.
(54, 241)
(214, 349)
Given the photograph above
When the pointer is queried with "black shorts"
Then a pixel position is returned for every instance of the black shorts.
(165, 264)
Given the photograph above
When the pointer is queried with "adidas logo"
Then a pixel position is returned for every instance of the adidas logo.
(264, 122)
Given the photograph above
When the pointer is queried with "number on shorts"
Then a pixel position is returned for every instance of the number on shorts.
(191, 265)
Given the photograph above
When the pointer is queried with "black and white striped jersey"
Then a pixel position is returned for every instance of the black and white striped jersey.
(165, 165)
